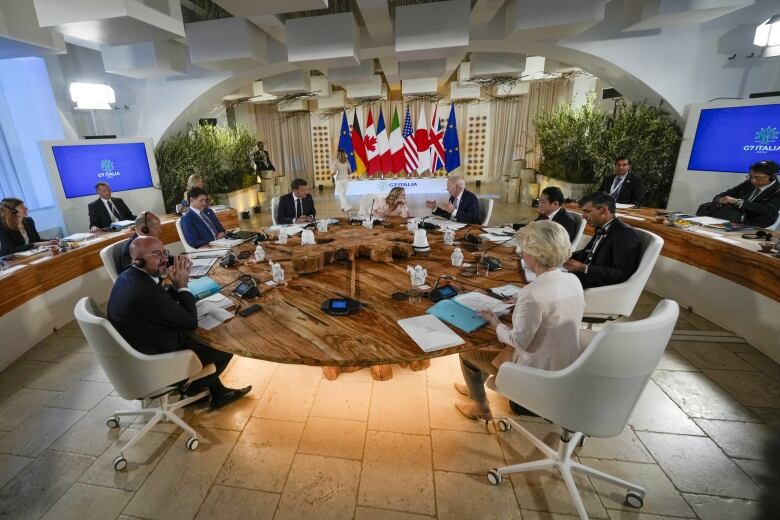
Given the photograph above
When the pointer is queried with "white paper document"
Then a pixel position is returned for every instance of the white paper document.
(618, 205)
(482, 302)
(123, 224)
(706, 221)
(10, 270)
(707, 233)
(212, 313)
(508, 231)
(201, 266)
(79, 237)
(630, 217)
(290, 230)
(507, 291)
(226, 242)
(209, 253)
(430, 333)
(31, 252)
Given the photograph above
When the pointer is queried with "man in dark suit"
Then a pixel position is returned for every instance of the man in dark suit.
(550, 202)
(613, 254)
(297, 207)
(147, 224)
(106, 210)
(200, 224)
(463, 205)
(154, 320)
(624, 186)
(755, 202)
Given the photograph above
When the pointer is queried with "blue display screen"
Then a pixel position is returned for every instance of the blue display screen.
(124, 166)
(338, 304)
(731, 139)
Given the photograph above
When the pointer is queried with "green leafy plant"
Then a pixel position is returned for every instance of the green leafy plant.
(580, 145)
(220, 154)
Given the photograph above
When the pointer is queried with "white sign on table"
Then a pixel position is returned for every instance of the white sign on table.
(410, 185)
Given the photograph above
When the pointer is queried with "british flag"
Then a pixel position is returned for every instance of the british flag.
(410, 148)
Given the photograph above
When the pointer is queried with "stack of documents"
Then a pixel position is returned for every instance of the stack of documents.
(122, 224)
(201, 266)
(226, 242)
(289, 229)
(507, 231)
(507, 291)
(430, 333)
(482, 302)
(79, 237)
(706, 221)
(211, 311)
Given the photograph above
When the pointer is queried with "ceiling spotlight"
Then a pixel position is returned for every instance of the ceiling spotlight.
(768, 36)
(92, 96)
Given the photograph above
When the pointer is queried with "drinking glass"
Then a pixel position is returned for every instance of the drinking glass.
(414, 295)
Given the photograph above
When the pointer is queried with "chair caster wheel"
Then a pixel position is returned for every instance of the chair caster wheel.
(120, 463)
(504, 426)
(113, 422)
(634, 499)
(193, 443)
(494, 477)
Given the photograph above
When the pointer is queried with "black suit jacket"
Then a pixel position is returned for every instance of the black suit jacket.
(760, 212)
(124, 260)
(632, 191)
(285, 212)
(98, 214)
(565, 219)
(153, 320)
(468, 212)
(616, 258)
(11, 241)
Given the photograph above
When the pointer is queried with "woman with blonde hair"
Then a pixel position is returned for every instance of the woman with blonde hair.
(17, 230)
(340, 170)
(394, 205)
(545, 323)
(193, 181)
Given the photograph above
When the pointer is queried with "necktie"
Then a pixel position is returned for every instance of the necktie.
(114, 211)
(616, 184)
(298, 208)
(543, 217)
(753, 195)
(209, 224)
(590, 249)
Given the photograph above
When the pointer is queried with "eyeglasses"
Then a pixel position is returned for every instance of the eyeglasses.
(159, 254)
(757, 177)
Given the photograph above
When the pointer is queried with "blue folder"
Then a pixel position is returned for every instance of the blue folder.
(457, 314)
(202, 287)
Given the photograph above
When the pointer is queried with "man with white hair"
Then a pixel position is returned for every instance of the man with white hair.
(463, 205)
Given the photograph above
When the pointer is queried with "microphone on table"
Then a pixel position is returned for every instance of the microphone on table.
(428, 226)
(241, 278)
(493, 263)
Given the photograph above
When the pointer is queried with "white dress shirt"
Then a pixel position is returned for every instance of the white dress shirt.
(545, 323)
(455, 205)
(108, 204)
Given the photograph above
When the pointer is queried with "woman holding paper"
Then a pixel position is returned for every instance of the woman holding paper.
(545, 323)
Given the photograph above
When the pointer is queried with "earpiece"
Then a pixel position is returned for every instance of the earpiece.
(145, 228)
(140, 263)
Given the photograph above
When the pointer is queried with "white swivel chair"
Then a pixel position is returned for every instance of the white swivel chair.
(187, 248)
(612, 301)
(274, 207)
(485, 210)
(138, 376)
(594, 396)
(367, 203)
(110, 257)
(581, 223)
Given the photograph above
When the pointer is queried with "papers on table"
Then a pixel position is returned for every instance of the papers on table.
(478, 301)
(218, 207)
(209, 253)
(457, 314)
(444, 223)
(507, 291)
(618, 205)
(122, 224)
(31, 252)
(226, 242)
(10, 270)
(507, 231)
(201, 266)
(79, 237)
(490, 237)
(631, 217)
(291, 229)
(706, 221)
(430, 333)
(212, 311)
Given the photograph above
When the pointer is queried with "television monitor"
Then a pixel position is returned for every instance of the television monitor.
(124, 166)
(730, 139)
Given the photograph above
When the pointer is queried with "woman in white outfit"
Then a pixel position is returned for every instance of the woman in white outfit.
(340, 169)
(394, 205)
(544, 332)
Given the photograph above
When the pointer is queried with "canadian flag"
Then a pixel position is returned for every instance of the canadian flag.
(421, 141)
(372, 148)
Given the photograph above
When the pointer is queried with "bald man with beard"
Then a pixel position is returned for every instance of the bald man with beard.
(155, 320)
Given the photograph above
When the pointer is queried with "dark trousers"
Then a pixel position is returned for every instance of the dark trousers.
(208, 355)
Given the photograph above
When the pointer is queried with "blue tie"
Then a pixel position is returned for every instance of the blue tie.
(208, 222)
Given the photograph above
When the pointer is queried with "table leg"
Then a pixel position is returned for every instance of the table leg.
(382, 372)
(332, 373)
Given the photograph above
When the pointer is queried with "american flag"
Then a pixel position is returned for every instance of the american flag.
(410, 148)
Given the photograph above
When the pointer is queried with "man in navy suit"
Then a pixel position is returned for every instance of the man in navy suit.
(463, 205)
(297, 207)
(550, 202)
(106, 210)
(200, 224)
(147, 224)
(614, 252)
(624, 186)
(155, 320)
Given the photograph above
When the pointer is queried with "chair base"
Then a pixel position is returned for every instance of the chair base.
(563, 462)
(165, 412)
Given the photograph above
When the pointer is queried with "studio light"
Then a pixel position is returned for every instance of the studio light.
(92, 96)
(768, 36)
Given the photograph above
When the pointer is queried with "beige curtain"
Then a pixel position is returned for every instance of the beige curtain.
(287, 138)
(512, 124)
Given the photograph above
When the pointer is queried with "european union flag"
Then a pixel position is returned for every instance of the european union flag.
(451, 146)
(345, 141)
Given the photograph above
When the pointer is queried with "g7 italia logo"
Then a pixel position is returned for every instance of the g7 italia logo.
(764, 139)
(107, 169)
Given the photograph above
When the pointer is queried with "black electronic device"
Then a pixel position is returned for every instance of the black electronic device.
(229, 260)
(251, 309)
(242, 235)
(261, 237)
(340, 306)
(492, 263)
(243, 255)
(442, 293)
(758, 235)
(247, 289)
(399, 296)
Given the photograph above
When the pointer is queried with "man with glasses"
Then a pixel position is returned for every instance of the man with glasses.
(550, 202)
(200, 224)
(754, 202)
(155, 320)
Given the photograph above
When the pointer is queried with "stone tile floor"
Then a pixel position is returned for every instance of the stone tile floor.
(304, 447)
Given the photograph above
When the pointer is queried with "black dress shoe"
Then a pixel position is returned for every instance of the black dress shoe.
(228, 396)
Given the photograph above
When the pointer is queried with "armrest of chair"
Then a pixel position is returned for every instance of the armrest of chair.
(170, 368)
(541, 391)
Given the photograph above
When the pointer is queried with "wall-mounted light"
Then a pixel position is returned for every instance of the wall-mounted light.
(768, 36)
(92, 96)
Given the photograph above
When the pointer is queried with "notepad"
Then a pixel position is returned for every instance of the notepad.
(457, 314)
(430, 333)
(507, 291)
(202, 287)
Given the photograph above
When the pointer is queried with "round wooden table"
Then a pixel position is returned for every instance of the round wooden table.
(292, 328)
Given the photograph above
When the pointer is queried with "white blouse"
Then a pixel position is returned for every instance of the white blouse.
(340, 170)
(546, 322)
